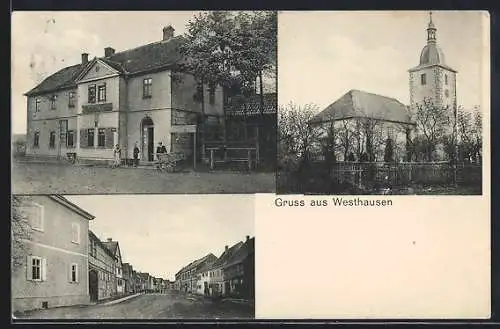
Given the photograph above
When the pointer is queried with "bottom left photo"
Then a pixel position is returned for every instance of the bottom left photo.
(145, 257)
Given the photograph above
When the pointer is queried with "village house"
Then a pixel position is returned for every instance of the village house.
(120, 98)
(239, 271)
(49, 253)
(188, 275)
(128, 277)
(364, 122)
(217, 285)
(102, 280)
(142, 282)
(115, 250)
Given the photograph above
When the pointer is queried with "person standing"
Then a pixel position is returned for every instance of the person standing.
(136, 155)
(117, 156)
(160, 150)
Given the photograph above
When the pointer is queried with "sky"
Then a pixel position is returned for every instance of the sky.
(322, 55)
(45, 42)
(160, 234)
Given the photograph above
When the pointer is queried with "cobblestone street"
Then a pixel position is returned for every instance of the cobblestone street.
(152, 306)
(37, 178)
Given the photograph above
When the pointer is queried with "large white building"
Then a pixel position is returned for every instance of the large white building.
(133, 96)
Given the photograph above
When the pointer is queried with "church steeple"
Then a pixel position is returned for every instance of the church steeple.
(431, 31)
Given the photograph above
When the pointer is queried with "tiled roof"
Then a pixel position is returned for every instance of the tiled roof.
(361, 104)
(161, 54)
(227, 254)
(94, 237)
(249, 106)
(111, 245)
(195, 263)
(243, 252)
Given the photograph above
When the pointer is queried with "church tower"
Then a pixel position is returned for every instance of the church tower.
(432, 79)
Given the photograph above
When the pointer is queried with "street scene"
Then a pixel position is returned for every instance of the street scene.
(382, 110)
(195, 95)
(88, 257)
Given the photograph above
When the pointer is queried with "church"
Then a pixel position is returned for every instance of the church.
(364, 123)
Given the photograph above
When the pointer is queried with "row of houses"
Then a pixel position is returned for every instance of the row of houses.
(230, 275)
(56, 260)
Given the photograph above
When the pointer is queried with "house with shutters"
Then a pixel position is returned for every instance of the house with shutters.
(114, 248)
(102, 280)
(139, 95)
(49, 253)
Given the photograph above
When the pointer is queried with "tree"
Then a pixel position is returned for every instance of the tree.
(20, 231)
(469, 130)
(389, 151)
(432, 123)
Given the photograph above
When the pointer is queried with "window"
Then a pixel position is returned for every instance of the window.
(53, 102)
(423, 80)
(101, 137)
(75, 233)
(73, 273)
(37, 104)
(147, 90)
(36, 139)
(92, 94)
(35, 215)
(212, 94)
(52, 140)
(101, 93)
(447, 93)
(70, 141)
(119, 283)
(90, 137)
(71, 99)
(446, 79)
(37, 268)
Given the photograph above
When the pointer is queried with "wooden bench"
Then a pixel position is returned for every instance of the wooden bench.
(247, 158)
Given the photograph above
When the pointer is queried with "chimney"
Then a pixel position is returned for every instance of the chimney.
(85, 58)
(168, 32)
(108, 51)
(248, 237)
(227, 247)
(109, 239)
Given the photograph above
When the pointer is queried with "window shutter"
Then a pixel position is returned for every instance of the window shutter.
(69, 272)
(44, 269)
(41, 214)
(108, 143)
(29, 268)
(77, 276)
(83, 138)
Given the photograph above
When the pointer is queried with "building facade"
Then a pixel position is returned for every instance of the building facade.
(189, 274)
(217, 282)
(239, 271)
(122, 98)
(49, 253)
(102, 279)
(114, 248)
(128, 278)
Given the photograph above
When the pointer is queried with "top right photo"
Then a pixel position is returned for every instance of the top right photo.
(393, 102)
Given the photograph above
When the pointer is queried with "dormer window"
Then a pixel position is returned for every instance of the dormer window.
(101, 93)
(92, 94)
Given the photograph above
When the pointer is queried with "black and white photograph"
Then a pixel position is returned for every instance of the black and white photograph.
(382, 102)
(105, 257)
(144, 102)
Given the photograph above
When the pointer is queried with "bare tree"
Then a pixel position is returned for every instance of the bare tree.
(20, 231)
(432, 123)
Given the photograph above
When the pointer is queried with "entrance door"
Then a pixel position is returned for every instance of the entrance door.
(151, 144)
(93, 286)
(147, 127)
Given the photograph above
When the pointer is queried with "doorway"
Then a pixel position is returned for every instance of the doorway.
(93, 286)
(148, 145)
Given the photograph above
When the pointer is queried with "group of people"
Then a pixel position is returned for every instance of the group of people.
(117, 154)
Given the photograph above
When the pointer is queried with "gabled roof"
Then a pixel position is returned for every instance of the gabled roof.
(163, 54)
(361, 104)
(70, 205)
(112, 246)
(242, 253)
(227, 254)
(196, 263)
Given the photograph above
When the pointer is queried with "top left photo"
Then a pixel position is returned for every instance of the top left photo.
(168, 102)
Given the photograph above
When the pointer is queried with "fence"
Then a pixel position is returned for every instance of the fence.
(405, 173)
